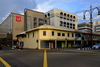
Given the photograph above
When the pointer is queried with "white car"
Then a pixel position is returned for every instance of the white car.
(96, 46)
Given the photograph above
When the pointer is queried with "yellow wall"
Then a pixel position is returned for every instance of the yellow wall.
(50, 37)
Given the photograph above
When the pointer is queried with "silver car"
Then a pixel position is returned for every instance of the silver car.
(96, 46)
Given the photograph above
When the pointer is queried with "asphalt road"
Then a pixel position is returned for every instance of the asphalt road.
(55, 58)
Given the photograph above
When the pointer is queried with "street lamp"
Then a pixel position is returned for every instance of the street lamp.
(90, 11)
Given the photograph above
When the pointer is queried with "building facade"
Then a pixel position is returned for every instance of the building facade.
(34, 19)
(52, 37)
(47, 36)
(87, 26)
(17, 23)
(62, 18)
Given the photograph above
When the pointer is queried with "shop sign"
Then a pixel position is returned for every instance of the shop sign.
(18, 18)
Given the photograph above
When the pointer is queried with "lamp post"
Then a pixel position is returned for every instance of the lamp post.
(90, 11)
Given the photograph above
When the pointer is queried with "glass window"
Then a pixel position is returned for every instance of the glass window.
(59, 34)
(72, 34)
(35, 19)
(40, 24)
(68, 34)
(52, 33)
(33, 34)
(67, 26)
(44, 33)
(73, 24)
(35, 24)
(63, 34)
(70, 19)
(45, 21)
(67, 23)
(67, 18)
(41, 20)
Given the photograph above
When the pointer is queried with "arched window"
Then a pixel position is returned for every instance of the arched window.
(74, 17)
(45, 16)
(64, 14)
(48, 14)
(68, 15)
(71, 16)
(61, 13)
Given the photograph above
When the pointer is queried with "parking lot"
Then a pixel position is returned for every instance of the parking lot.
(55, 57)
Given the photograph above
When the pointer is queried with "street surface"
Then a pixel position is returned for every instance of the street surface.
(55, 58)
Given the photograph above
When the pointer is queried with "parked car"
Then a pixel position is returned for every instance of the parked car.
(19, 47)
(96, 46)
(0, 47)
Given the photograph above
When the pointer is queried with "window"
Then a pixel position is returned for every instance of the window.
(64, 22)
(40, 24)
(61, 22)
(67, 23)
(33, 34)
(59, 34)
(70, 26)
(73, 24)
(63, 34)
(64, 18)
(67, 18)
(52, 33)
(70, 19)
(35, 24)
(72, 34)
(64, 14)
(68, 34)
(61, 17)
(74, 17)
(44, 33)
(73, 20)
(68, 15)
(41, 20)
(45, 21)
(67, 26)
(35, 19)
(61, 13)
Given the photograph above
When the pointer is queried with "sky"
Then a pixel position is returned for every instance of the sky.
(72, 6)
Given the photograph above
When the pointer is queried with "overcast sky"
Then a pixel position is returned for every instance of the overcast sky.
(73, 6)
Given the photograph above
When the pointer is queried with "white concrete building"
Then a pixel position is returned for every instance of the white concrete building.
(87, 26)
(62, 18)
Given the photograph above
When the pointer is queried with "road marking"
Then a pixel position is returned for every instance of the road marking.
(45, 64)
(4, 62)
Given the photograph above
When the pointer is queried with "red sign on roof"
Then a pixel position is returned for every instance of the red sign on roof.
(18, 18)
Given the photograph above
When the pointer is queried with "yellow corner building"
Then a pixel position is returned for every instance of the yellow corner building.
(48, 37)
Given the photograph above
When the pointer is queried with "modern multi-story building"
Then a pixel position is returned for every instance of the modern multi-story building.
(17, 23)
(34, 19)
(62, 18)
(12, 25)
(87, 26)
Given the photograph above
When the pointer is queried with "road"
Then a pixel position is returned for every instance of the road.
(55, 58)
